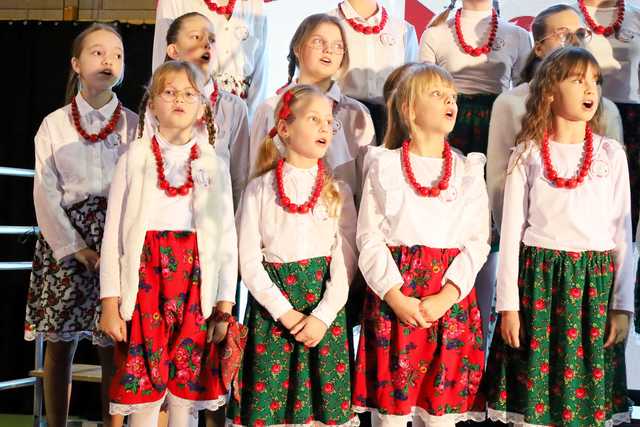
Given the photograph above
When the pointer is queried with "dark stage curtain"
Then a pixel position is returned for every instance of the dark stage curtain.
(33, 76)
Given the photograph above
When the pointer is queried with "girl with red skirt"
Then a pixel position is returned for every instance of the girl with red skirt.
(169, 265)
(423, 233)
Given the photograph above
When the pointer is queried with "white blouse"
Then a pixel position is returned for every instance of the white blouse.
(506, 122)
(267, 232)
(353, 131)
(595, 216)
(173, 213)
(619, 57)
(240, 60)
(393, 214)
(372, 57)
(484, 74)
(69, 169)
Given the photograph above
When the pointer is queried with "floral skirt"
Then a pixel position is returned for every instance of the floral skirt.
(562, 375)
(167, 354)
(63, 301)
(630, 114)
(282, 381)
(432, 372)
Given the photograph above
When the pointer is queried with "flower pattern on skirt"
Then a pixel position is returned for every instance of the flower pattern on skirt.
(63, 301)
(283, 382)
(438, 369)
(167, 348)
(562, 375)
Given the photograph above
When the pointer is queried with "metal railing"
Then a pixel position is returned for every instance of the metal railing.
(38, 420)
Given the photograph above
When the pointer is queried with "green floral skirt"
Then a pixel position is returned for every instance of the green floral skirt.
(562, 375)
(283, 382)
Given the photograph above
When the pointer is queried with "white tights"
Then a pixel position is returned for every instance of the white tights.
(179, 416)
(379, 420)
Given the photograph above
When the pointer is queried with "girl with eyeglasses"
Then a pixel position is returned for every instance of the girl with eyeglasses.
(169, 259)
(318, 53)
(384, 43)
(190, 37)
(553, 28)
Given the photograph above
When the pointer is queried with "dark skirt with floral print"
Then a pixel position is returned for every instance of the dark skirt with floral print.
(282, 381)
(562, 375)
(167, 354)
(433, 373)
(63, 301)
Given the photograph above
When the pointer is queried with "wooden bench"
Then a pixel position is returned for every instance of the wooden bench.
(79, 372)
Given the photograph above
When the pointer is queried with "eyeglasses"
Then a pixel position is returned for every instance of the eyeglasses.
(318, 43)
(564, 35)
(190, 95)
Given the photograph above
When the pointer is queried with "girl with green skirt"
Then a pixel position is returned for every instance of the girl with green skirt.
(565, 271)
(297, 257)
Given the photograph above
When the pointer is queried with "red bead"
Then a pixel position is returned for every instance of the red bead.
(292, 207)
(303, 209)
(424, 191)
(164, 185)
(367, 30)
(183, 190)
(285, 201)
(571, 183)
(376, 29)
(171, 191)
(434, 192)
(560, 182)
(443, 185)
(93, 138)
(552, 175)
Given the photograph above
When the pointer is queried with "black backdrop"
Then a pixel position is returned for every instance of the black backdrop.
(33, 76)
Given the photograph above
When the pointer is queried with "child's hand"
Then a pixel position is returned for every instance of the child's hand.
(291, 318)
(309, 331)
(617, 327)
(407, 309)
(512, 333)
(110, 321)
(433, 307)
(217, 330)
(89, 258)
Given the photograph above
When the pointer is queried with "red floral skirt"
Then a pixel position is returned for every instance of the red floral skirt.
(167, 353)
(429, 372)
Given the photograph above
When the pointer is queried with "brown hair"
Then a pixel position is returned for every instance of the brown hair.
(300, 37)
(410, 88)
(395, 77)
(539, 31)
(268, 155)
(76, 50)
(158, 82)
(176, 26)
(556, 67)
(442, 18)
